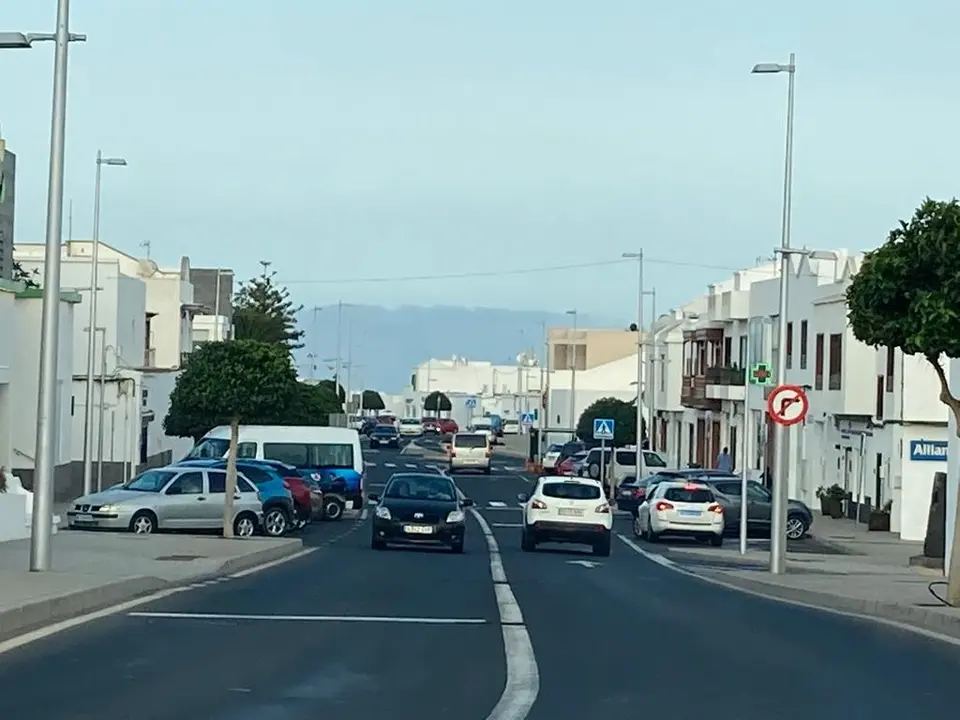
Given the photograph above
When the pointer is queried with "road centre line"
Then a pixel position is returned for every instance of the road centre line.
(309, 618)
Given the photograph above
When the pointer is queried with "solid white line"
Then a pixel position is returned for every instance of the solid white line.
(523, 674)
(496, 504)
(310, 618)
(670, 565)
(272, 563)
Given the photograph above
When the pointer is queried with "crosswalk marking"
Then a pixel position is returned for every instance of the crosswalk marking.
(390, 465)
(496, 504)
(411, 466)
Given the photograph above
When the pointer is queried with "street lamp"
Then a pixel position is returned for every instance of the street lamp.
(573, 373)
(47, 429)
(91, 335)
(778, 527)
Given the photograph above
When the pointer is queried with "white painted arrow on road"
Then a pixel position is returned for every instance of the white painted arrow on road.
(583, 563)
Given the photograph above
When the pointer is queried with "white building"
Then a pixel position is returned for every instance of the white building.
(144, 328)
(873, 414)
(20, 311)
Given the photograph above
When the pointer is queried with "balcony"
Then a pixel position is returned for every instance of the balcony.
(693, 394)
(725, 383)
(149, 357)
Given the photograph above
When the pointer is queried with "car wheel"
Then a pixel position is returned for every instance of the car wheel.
(527, 542)
(332, 509)
(716, 540)
(602, 547)
(275, 522)
(457, 548)
(637, 532)
(649, 535)
(143, 522)
(377, 544)
(796, 526)
(594, 471)
(244, 525)
(486, 470)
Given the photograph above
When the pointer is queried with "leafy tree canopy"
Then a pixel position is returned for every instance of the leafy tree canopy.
(372, 400)
(907, 292)
(332, 387)
(27, 277)
(242, 381)
(310, 405)
(623, 414)
(437, 402)
(264, 311)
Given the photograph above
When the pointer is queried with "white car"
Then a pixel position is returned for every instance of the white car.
(470, 451)
(485, 426)
(551, 458)
(566, 510)
(511, 427)
(681, 509)
(411, 427)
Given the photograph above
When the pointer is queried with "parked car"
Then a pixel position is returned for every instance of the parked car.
(577, 462)
(387, 435)
(306, 490)
(170, 498)
(448, 426)
(558, 453)
(276, 496)
(632, 492)
(511, 427)
(759, 507)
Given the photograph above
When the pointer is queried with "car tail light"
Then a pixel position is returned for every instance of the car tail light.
(538, 505)
(663, 506)
(603, 509)
(716, 508)
(286, 483)
(638, 493)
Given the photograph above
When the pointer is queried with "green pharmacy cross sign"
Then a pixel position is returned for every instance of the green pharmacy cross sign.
(761, 374)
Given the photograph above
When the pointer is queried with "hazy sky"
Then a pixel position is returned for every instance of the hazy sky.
(389, 139)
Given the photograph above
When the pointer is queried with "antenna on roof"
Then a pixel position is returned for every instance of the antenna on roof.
(146, 246)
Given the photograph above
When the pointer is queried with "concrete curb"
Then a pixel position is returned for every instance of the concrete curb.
(919, 617)
(26, 618)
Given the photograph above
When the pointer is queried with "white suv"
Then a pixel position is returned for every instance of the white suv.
(684, 509)
(567, 510)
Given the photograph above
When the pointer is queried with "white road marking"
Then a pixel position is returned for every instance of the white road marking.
(58, 627)
(506, 525)
(496, 504)
(309, 618)
(670, 565)
(390, 465)
(367, 463)
(364, 513)
(411, 466)
(523, 675)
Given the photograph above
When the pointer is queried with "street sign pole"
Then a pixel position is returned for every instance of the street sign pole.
(744, 505)
(603, 468)
(786, 406)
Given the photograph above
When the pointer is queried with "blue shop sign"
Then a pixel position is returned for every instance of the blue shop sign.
(928, 450)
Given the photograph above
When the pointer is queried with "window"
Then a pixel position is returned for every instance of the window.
(189, 483)
(466, 440)
(246, 450)
(571, 491)
(742, 355)
(727, 352)
(803, 345)
(218, 481)
(626, 457)
(757, 492)
(244, 485)
(663, 372)
(699, 495)
(306, 455)
(728, 488)
(891, 357)
(651, 459)
(880, 392)
(256, 475)
(421, 487)
(836, 362)
(789, 345)
(150, 481)
(818, 364)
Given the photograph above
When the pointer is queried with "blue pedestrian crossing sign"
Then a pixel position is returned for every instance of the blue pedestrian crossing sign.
(526, 419)
(603, 428)
(471, 402)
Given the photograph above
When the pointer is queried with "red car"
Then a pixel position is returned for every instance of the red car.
(306, 497)
(448, 426)
(565, 467)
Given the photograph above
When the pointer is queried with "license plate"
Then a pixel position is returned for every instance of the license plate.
(418, 529)
(570, 512)
(691, 513)
(84, 518)
(625, 493)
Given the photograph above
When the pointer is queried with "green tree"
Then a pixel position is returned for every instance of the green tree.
(623, 414)
(231, 383)
(333, 387)
(437, 402)
(907, 292)
(264, 311)
(27, 277)
(310, 405)
(372, 400)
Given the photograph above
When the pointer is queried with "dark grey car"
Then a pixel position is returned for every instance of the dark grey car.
(759, 507)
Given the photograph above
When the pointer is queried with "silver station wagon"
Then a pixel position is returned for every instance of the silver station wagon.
(170, 498)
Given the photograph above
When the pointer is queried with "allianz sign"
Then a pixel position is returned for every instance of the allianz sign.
(928, 450)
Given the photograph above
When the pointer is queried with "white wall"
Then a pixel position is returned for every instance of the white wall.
(953, 465)
(158, 386)
(475, 377)
(6, 363)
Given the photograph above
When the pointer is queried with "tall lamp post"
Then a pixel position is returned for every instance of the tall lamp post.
(638, 256)
(573, 373)
(42, 528)
(778, 526)
(91, 334)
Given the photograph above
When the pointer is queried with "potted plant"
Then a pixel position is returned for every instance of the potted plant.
(831, 500)
(880, 518)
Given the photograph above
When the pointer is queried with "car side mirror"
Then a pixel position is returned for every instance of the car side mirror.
(523, 497)
(467, 503)
(373, 498)
(174, 491)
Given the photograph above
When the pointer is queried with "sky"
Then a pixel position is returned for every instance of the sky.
(486, 152)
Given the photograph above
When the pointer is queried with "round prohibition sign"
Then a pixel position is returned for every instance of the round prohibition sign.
(787, 405)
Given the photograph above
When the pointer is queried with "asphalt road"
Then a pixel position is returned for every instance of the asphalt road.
(348, 632)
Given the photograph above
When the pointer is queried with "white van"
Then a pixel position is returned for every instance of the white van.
(326, 454)
(623, 464)
(470, 451)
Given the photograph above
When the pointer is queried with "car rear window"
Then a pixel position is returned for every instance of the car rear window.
(571, 491)
(651, 459)
(699, 495)
(626, 457)
(470, 441)
(553, 448)
(410, 421)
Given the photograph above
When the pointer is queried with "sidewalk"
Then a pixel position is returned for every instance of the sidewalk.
(92, 570)
(869, 574)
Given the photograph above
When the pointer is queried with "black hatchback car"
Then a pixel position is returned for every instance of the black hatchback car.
(419, 509)
(387, 435)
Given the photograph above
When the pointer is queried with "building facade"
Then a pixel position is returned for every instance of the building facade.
(8, 194)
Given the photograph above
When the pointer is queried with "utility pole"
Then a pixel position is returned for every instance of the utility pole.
(651, 370)
(638, 256)
(573, 373)
(336, 375)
